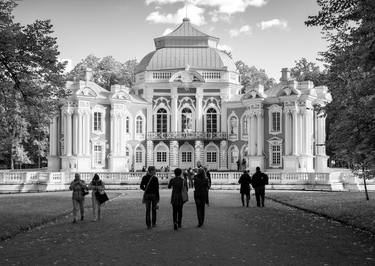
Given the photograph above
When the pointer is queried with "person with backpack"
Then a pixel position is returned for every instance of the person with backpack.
(258, 181)
(79, 189)
(151, 197)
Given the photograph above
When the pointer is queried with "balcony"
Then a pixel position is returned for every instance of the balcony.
(187, 136)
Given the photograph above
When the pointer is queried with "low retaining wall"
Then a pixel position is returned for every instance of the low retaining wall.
(12, 182)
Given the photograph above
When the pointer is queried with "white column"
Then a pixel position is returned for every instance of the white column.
(68, 133)
(253, 135)
(53, 137)
(223, 117)
(295, 132)
(87, 131)
(199, 113)
(174, 115)
(286, 126)
(249, 137)
(149, 128)
(300, 132)
(75, 132)
(305, 135)
(80, 133)
(260, 134)
(112, 121)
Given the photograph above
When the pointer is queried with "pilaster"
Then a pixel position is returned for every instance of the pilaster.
(198, 151)
(223, 155)
(150, 152)
(173, 154)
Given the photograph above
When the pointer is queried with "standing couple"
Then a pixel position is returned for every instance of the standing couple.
(151, 196)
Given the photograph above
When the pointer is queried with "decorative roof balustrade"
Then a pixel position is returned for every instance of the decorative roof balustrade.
(187, 136)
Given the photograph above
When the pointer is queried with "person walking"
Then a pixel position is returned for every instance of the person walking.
(200, 194)
(79, 189)
(151, 197)
(245, 181)
(178, 185)
(259, 180)
(97, 187)
(190, 177)
(208, 176)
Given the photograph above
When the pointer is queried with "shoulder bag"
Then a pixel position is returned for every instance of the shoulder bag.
(184, 194)
(144, 193)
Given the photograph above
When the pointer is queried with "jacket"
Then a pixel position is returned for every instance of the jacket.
(177, 184)
(259, 179)
(153, 187)
(77, 188)
(200, 186)
(245, 181)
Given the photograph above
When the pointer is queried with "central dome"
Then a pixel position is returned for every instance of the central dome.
(186, 46)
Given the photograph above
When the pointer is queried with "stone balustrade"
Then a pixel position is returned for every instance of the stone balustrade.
(52, 181)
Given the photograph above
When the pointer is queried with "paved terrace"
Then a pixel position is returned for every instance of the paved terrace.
(231, 235)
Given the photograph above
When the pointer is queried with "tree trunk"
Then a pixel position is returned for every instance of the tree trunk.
(364, 182)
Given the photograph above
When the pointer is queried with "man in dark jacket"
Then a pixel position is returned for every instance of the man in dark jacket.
(200, 194)
(151, 197)
(245, 181)
(259, 180)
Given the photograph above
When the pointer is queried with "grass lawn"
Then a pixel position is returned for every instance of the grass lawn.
(349, 207)
(22, 211)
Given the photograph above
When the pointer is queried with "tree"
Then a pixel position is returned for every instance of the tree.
(305, 70)
(31, 82)
(349, 27)
(251, 76)
(106, 71)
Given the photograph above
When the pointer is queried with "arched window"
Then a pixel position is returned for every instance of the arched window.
(161, 120)
(211, 116)
(244, 125)
(187, 120)
(139, 125)
(127, 125)
(138, 155)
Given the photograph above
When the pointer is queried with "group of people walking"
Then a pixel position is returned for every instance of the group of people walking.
(179, 185)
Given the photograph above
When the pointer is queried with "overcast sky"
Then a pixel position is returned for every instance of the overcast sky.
(268, 34)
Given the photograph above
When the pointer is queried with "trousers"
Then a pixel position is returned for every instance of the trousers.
(151, 202)
(259, 195)
(78, 204)
(95, 207)
(200, 204)
(177, 213)
(247, 199)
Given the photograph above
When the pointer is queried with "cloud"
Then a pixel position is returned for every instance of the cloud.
(196, 16)
(224, 47)
(167, 31)
(228, 7)
(273, 23)
(245, 29)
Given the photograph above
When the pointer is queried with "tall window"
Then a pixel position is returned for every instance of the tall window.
(211, 157)
(98, 155)
(276, 118)
(161, 120)
(127, 125)
(138, 155)
(211, 120)
(186, 156)
(139, 125)
(187, 120)
(161, 156)
(244, 125)
(97, 121)
(276, 155)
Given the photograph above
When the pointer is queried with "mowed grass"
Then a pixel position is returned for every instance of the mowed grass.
(19, 212)
(349, 207)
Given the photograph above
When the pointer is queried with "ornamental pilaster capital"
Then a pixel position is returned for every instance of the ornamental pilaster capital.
(68, 110)
(259, 113)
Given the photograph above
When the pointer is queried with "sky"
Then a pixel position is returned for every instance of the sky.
(267, 34)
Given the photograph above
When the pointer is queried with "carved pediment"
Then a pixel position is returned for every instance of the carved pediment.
(288, 91)
(186, 76)
(121, 96)
(275, 141)
(86, 92)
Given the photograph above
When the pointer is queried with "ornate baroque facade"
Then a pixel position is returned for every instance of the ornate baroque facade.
(186, 106)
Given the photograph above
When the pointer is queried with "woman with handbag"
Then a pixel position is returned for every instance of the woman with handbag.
(179, 196)
(151, 197)
(78, 187)
(97, 187)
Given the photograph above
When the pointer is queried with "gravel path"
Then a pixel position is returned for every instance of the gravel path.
(232, 235)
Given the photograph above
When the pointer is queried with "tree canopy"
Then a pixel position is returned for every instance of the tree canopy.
(349, 26)
(251, 76)
(305, 70)
(106, 71)
(31, 86)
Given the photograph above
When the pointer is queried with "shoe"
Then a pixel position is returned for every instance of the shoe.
(175, 227)
(179, 225)
(74, 221)
(149, 227)
(153, 225)
(81, 218)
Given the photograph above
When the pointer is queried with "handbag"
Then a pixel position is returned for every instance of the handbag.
(184, 194)
(144, 193)
(85, 190)
(101, 196)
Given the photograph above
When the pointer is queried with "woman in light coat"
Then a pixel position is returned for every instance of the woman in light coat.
(97, 186)
(177, 184)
